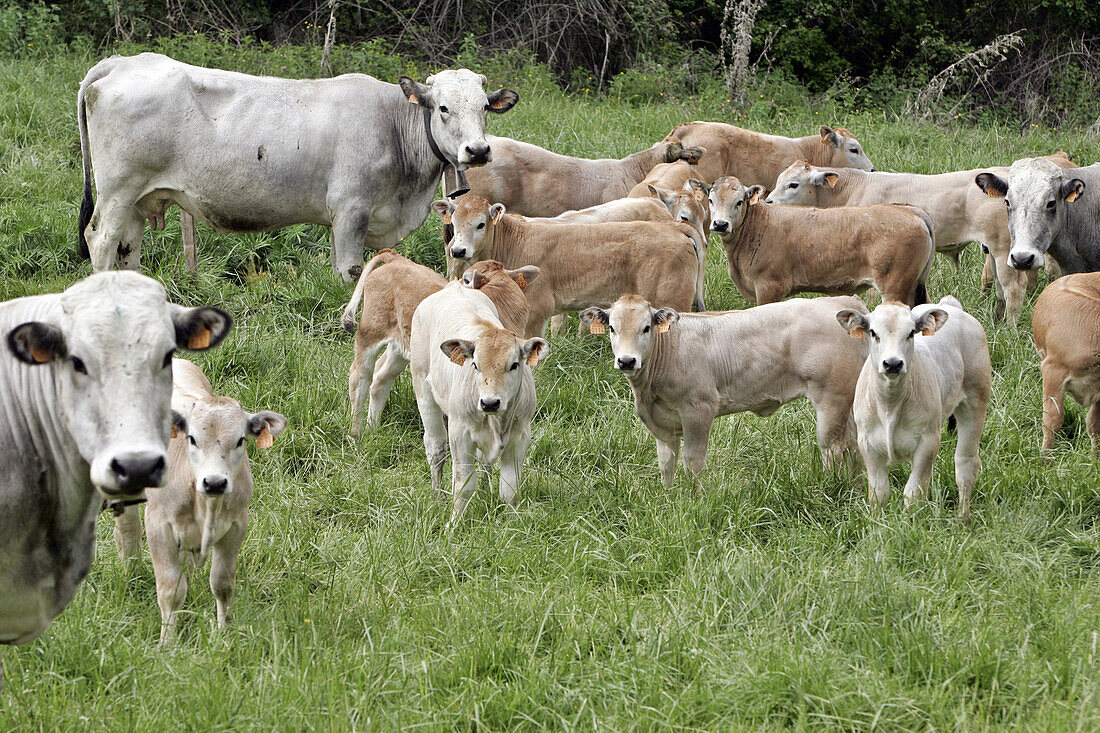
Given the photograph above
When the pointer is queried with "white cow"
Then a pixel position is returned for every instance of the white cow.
(85, 390)
(245, 153)
(470, 370)
(924, 365)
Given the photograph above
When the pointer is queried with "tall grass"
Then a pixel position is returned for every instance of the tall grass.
(768, 599)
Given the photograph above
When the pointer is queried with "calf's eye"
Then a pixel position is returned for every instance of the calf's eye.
(78, 365)
(240, 442)
(481, 225)
(191, 440)
(645, 330)
(443, 108)
(515, 365)
(792, 185)
(168, 359)
(1050, 205)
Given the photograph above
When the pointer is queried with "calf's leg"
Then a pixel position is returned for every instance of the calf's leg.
(969, 421)
(360, 378)
(668, 455)
(878, 479)
(170, 576)
(128, 533)
(223, 572)
(386, 371)
(920, 474)
(1093, 424)
(511, 466)
(463, 474)
(435, 431)
(696, 437)
(1054, 391)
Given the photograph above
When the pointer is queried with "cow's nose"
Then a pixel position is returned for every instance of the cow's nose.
(355, 271)
(1022, 262)
(478, 152)
(459, 253)
(138, 470)
(892, 365)
(215, 485)
(626, 363)
(872, 169)
(720, 225)
(490, 404)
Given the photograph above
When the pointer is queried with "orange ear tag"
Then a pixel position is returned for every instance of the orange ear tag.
(175, 432)
(200, 340)
(663, 326)
(414, 99)
(857, 333)
(265, 439)
(597, 327)
(533, 358)
(521, 281)
(40, 355)
(457, 356)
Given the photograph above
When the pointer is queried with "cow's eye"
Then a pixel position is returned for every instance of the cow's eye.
(740, 202)
(645, 330)
(168, 359)
(1008, 204)
(855, 150)
(873, 334)
(515, 365)
(191, 440)
(78, 365)
(1050, 205)
(475, 367)
(443, 109)
(481, 225)
(610, 328)
(913, 333)
(240, 442)
(792, 185)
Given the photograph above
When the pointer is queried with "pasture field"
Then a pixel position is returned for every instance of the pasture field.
(768, 599)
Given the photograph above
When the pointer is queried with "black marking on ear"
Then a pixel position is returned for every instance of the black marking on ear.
(37, 343)
(201, 328)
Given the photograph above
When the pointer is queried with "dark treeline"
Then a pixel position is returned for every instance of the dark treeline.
(880, 52)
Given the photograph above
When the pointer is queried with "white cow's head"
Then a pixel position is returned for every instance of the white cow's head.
(498, 358)
(844, 151)
(802, 184)
(216, 430)
(688, 204)
(891, 329)
(633, 325)
(474, 220)
(110, 355)
(1036, 194)
(458, 103)
(729, 201)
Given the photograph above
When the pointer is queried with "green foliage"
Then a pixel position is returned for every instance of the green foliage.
(29, 31)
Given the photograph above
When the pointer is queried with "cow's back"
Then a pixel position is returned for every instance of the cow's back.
(1066, 321)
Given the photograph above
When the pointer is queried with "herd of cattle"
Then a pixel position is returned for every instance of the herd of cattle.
(96, 408)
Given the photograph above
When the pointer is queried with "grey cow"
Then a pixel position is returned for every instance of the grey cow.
(247, 153)
(1050, 209)
(85, 391)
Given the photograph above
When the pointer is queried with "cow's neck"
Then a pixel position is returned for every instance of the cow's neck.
(746, 239)
(414, 149)
(509, 242)
(814, 152)
(637, 166)
(647, 380)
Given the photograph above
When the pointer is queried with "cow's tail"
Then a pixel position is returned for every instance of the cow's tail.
(86, 204)
(348, 321)
(920, 291)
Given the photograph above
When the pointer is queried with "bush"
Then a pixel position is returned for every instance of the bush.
(29, 31)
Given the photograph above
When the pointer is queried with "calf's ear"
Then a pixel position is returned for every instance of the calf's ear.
(534, 350)
(458, 350)
(931, 320)
(754, 193)
(444, 209)
(694, 184)
(501, 101)
(596, 318)
(416, 92)
(37, 343)
(524, 276)
(265, 426)
(993, 185)
(476, 280)
(496, 211)
(1072, 189)
(664, 318)
(825, 178)
(854, 322)
(829, 136)
(179, 424)
(198, 329)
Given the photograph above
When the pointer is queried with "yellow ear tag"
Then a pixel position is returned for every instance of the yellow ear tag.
(40, 355)
(830, 181)
(991, 193)
(857, 333)
(928, 331)
(1072, 196)
(447, 218)
(414, 99)
(533, 358)
(200, 340)
(663, 326)
(457, 356)
(175, 431)
(265, 439)
(521, 281)
(597, 327)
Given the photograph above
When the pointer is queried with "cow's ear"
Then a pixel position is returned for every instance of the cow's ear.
(694, 184)
(265, 426)
(458, 350)
(475, 279)
(416, 92)
(829, 136)
(824, 178)
(198, 329)
(664, 318)
(443, 208)
(993, 185)
(754, 193)
(931, 320)
(534, 350)
(496, 211)
(179, 424)
(661, 195)
(501, 101)
(524, 276)
(854, 322)
(37, 343)
(1072, 189)
(596, 318)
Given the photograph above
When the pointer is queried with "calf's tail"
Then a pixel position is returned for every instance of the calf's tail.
(87, 206)
(348, 321)
(920, 292)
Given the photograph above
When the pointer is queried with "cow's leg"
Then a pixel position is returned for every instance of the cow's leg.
(834, 426)
(696, 436)
(171, 578)
(435, 431)
(114, 236)
(987, 272)
(223, 572)
(969, 421)
(349, 236)
(360, 377)
(511, 466)
(386, 371)
(1092, 421)
(1054, 270)
(668, 455)
(1013, 286)
(1054, 392)
(878, 478)
(558, 323)
(463, 474)
(187, 238)
(128, 533)
(920, 474)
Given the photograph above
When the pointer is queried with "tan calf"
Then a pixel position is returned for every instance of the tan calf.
(775, 251)
(582, 264)
(624, 209)
(688, 204)
(756, 159)
(668, 176)
(1066, 322)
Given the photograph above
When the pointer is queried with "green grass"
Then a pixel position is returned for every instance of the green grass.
(770, 599)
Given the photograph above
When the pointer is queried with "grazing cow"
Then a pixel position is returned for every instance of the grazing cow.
(774, 251)
(924, 365)
(203, 511)
(687, 369)
(1050, 209)
(959, 210)
(85, 389)
(669, 176)
(474, 389)
(389, 299)
(756, 159)
(532, 181)
(245, 153)
(1066, 322)
(582, 264)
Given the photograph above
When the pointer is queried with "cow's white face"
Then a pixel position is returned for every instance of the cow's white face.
(729, 201)
(458, 103)
(498, 358)
(845, 150)
(217, 431)
(110, 354)
(1036, 194)
(891, 328)
(800, 184)
(633, 326)
(473, 220)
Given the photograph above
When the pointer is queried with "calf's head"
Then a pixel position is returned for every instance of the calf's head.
(688, 204)
(217, 430)
(729, 202)
(473, 220)
(458, 103)
(109, 352)
(1036, 194)
(498, 358)
(891, 329)
(801, 184)
(844, 151)
(633, 326)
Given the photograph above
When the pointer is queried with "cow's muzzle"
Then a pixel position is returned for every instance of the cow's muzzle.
(459, 252)
(892, 367)
(1023, 261)
(477, 154)
(489, 404)
(136, 471)
(215, 485)
(626, 363)
(720, 225)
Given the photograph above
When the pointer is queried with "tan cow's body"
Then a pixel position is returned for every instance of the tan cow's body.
(582, 264)
(1066, 322)
(774, 251)
(756, 158)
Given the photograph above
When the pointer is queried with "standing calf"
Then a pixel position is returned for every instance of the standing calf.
(924, 365)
